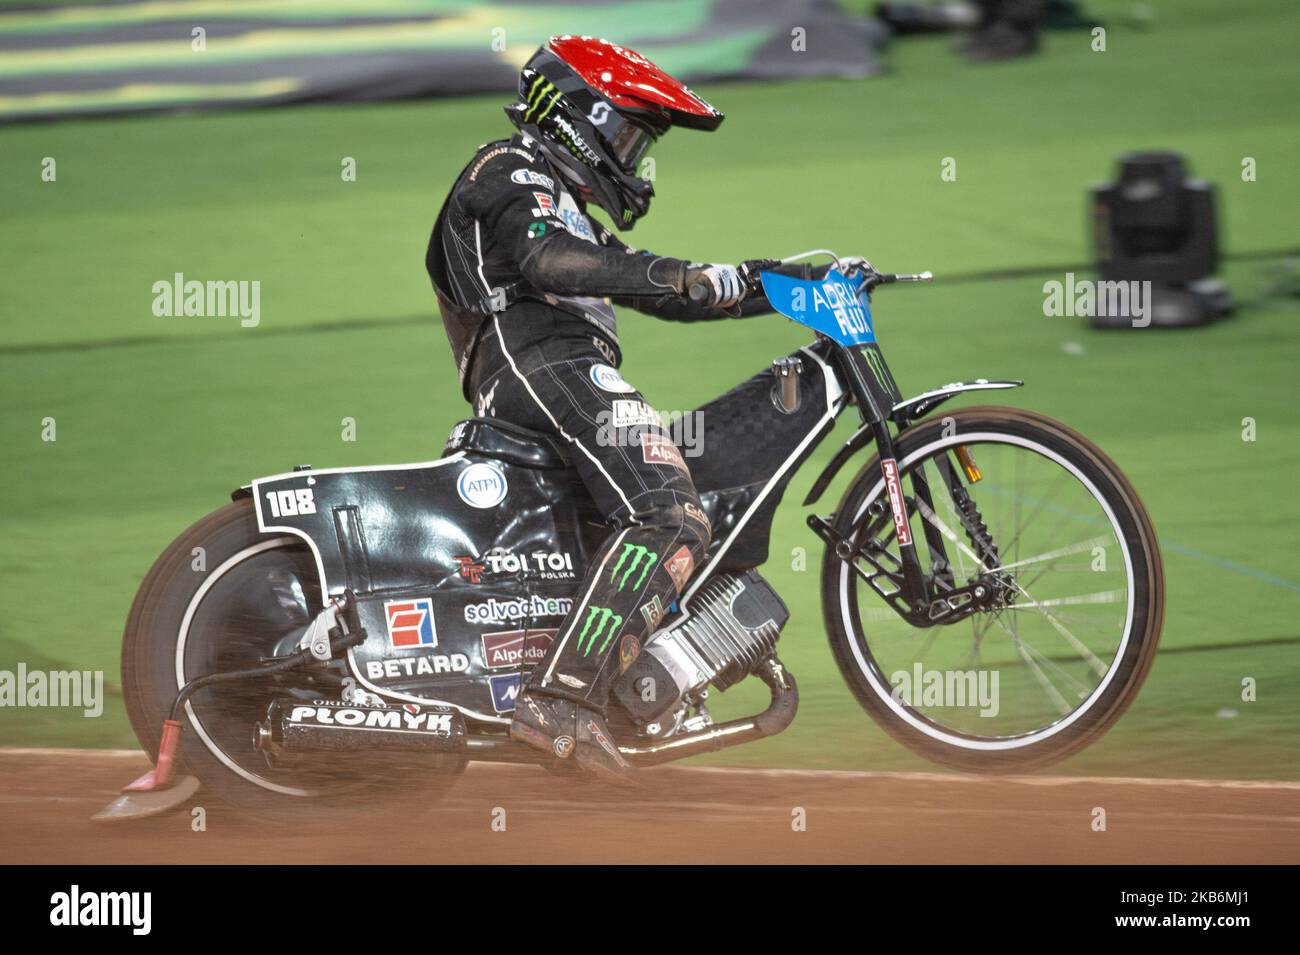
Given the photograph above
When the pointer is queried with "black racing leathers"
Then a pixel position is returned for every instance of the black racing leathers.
(562, 382)
(526, 283)
(509, 231)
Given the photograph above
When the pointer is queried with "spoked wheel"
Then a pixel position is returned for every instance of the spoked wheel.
(1055, 589)
(224, 597)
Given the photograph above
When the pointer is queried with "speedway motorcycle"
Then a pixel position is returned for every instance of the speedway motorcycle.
(991, 588)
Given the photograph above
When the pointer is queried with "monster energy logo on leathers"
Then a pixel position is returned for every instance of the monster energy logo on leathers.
(600, 620)
(634, 556)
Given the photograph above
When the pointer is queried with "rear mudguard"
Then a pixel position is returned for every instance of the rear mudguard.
(902, 414)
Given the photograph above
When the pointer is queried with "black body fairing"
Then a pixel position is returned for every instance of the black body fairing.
(462, 568)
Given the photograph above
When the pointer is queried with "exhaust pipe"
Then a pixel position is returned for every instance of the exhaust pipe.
(776, 718)
(330, 726)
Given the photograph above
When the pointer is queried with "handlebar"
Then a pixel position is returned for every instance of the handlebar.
(885, 278)
(752, 269)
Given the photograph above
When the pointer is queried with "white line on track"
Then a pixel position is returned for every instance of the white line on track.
(885, 776)
(825, 774)
(1210, 821)
(70, 753)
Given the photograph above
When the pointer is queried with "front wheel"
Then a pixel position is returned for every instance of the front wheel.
(1050, 587)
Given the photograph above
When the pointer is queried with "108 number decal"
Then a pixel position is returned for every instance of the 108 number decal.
(291, 503)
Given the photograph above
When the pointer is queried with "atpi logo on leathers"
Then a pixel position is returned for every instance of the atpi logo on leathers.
(481, 485)
(608, 379)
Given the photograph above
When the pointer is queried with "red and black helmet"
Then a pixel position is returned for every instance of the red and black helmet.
(596, 108)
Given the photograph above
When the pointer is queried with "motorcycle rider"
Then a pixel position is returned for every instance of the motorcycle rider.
(525, 280)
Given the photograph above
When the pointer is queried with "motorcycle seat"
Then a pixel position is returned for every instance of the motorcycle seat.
(507, 442)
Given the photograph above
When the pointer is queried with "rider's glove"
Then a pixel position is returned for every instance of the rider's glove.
(719, 286)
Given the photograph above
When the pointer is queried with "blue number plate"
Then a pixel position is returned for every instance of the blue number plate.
(832, 306)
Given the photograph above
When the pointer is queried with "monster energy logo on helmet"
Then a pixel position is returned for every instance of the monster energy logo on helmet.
(633, 556)
(542, 89)
(538, 102)
(600, 620)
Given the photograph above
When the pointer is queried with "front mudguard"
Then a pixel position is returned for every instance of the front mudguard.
(902, 414)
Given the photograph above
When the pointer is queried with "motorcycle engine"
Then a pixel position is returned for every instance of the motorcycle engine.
(733, 625)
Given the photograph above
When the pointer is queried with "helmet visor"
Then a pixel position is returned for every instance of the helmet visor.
(630, 145)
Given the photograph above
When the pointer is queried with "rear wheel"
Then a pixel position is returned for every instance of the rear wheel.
(222, 597)
(1034, 519)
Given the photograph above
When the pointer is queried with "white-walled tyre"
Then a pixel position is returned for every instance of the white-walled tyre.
(1052, 664)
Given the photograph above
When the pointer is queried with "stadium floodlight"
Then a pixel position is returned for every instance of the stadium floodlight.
(1155, 224)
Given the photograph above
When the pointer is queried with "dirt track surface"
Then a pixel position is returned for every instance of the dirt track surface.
(678, 815)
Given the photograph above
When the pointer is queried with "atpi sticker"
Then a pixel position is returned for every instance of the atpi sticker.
(482, 485)
(607, 378)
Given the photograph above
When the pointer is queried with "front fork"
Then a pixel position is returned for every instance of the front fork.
(922, 599)
(915, 586)
(929, 598)
(875, 395)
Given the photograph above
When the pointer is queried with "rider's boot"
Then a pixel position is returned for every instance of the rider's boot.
(634, 576)
(568, 731)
